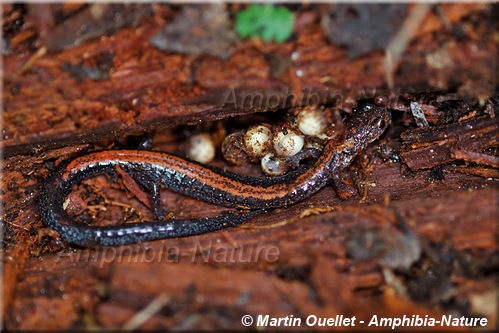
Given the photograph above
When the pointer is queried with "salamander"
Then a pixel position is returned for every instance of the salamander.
(154, 170)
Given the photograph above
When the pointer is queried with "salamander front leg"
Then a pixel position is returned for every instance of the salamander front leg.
(344, 187)
(306, 154)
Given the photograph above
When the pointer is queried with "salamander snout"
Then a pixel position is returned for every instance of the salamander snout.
(367, 125)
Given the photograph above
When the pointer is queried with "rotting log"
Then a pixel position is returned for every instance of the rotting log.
(266, 267)
(46, 105)
(420, 238)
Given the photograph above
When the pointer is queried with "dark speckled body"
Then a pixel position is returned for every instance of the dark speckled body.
(206, 183)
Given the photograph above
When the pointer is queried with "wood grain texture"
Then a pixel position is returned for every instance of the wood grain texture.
(423, 239)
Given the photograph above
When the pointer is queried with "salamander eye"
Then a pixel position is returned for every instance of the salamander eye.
(379, 122)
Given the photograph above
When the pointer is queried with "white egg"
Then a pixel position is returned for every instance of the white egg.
(273, 166)
(201, 148)
(311, 121)
(287, 143)
(257, 140)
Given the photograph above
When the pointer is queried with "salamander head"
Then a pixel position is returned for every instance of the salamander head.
(367, 125)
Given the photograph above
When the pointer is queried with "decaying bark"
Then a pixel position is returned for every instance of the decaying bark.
(420, 238)
(432, 146)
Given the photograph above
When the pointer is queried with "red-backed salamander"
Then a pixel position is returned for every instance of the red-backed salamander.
(152, 169)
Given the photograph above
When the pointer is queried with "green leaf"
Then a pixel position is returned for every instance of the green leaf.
(265, 21)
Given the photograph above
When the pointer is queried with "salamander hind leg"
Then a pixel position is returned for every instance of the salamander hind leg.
(153, 198)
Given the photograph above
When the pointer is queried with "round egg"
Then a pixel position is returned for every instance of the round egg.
(273, 166)
(311, 121)
(287, 143)
(257, 140)
(201, 148)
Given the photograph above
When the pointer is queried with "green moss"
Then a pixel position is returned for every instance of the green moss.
(265, 21)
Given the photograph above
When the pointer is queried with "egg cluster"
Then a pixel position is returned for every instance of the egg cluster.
(305, 127)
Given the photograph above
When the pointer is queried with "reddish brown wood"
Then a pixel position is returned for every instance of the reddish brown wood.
(149, 89)
(431, 146)
(420, 238)
(224, 275)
